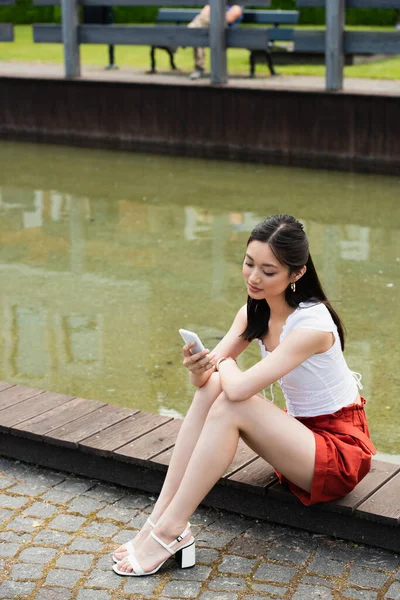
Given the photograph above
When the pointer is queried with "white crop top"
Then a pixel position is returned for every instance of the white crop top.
(323, 383)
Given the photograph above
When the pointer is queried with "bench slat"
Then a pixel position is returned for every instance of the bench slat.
(353, 3)
(6, 32)
(384, 505)
(5, 386)
(185, 15)
(355, 42)
(14, 395)
(23, 411)
(255, 477)
(120, 434)
(60, 415)
(379, 474)
(87, 425)
(153, 443)
(198, 3)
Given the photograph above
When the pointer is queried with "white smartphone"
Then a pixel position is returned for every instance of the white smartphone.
(188, 337)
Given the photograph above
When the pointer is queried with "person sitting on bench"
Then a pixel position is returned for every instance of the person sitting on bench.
(234, 14)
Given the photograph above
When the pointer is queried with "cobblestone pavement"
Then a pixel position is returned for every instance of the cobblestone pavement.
(57, 532)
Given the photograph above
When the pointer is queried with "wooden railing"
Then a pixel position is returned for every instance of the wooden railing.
(334, 42)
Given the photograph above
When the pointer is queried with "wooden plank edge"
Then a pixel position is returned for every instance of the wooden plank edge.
(241, 502)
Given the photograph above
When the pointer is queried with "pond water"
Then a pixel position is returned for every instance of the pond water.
(105, 255)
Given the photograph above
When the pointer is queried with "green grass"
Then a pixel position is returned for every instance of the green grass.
(24, 49)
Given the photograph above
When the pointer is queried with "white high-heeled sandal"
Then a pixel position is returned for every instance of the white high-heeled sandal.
(129, 546)
(185, 556)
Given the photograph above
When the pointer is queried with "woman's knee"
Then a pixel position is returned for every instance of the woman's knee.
(221, 407)
(209, 392)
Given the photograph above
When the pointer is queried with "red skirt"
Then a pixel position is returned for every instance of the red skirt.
(342, 457)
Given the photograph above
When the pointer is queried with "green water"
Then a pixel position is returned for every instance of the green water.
(105, 255)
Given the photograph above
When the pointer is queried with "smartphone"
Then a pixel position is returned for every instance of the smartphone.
(189, 336)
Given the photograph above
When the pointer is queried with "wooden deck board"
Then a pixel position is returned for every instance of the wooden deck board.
(60, 415)
(32, 407)
(16, 394)
(89, 424)
(120, 434)
(384, 505)
(132, 447)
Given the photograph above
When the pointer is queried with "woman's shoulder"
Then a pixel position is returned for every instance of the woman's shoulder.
(312, 314)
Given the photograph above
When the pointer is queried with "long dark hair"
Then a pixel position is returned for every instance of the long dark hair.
(288, 241)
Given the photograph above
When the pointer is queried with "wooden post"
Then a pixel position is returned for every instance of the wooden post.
(218, 42)
(70, 24)
(334, 40)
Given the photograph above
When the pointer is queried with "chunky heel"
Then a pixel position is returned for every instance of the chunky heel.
(186, 557)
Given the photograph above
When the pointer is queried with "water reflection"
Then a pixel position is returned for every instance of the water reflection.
(94, 286)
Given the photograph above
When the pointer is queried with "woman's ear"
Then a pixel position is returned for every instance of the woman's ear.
(301, 272)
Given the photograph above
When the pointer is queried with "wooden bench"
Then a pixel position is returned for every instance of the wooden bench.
(133, 448)
(250, 17)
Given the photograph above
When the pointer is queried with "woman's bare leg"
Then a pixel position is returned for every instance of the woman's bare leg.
(277, 437)
(186, 441)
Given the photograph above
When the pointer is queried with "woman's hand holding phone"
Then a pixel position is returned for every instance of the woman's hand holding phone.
(198, 363)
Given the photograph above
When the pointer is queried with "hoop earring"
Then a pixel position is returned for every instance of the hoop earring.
(293, 286)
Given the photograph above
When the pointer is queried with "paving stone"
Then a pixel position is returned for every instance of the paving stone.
(134, 501)
(16, 589)
(5, 482)
(63, 577)
(394, 591)
(124, 515)
(359, 594)
(13, 536)
(48, 593)
(230, 523)
(314, 580)
(27, 571)
(103, 579)
(84, 505)
(309, 592)
(141, 585)
(237, 564)
(270, 589)
(206, 555)
(124, 535)
(272, 572)
(67, 523)
(13, 502)
(8, 549)
(186, 589)
(214, 540)
(197, 573)
(36, 554)
(40, 477)
(86, 544)
(5, 514)
(24, 524)
(108, 493)
(104, 563)
(326, 566)
(217, 596)
(376, 558)
(28, 489)
(254, 597)
(58, 496)
(225, 584)
(249, 545)
(93, 595)
(366, 577)
(50, 537)
(75, 486)
(79, 562)
(101, 530)
(40, 509)
(295, 556)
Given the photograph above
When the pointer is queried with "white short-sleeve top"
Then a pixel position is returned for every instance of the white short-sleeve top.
(323, 383)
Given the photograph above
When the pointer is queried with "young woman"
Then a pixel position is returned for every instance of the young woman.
(319, 446)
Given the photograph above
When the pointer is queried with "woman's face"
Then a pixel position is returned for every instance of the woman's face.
(265, 276)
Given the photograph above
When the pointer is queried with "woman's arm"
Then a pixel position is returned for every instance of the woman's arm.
(231, 345)
(298, 345)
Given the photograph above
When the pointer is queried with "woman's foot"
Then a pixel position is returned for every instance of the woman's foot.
(123, 551)
(150, 553)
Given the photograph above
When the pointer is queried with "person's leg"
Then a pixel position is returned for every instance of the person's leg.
(200, 20)
(185, 443)
(274, 435)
